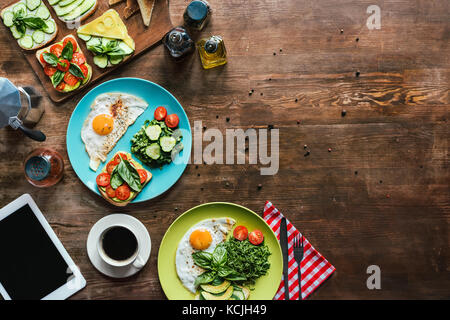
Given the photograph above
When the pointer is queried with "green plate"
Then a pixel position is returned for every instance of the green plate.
(265, 287)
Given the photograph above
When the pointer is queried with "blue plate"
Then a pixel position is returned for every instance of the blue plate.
(155, 96)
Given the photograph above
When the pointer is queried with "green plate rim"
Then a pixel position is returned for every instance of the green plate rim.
(217, 203)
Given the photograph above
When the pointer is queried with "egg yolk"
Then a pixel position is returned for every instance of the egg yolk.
(200, 239)
(103, 124)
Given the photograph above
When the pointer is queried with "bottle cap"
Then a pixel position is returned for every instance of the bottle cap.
(211, 46)
(37, 168)
(197, 11)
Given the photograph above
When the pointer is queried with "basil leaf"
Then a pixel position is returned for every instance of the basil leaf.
(219, 257)
(57, 77)
(67, 51)
(20, 26)
(116, 179)
(51, 59)
(205, 277)
(224, 271)
(76, 71)
(234, 276)
(202, 259)
(34, 23)
(118, 52)
(130, 175)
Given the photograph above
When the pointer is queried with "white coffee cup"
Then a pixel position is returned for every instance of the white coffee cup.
(134, 259)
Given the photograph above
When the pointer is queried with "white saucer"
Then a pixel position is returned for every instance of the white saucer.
(127, 221)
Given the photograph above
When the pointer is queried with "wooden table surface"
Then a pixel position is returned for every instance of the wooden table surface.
(380, 197)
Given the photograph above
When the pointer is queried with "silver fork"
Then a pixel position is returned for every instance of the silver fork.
(298, 257)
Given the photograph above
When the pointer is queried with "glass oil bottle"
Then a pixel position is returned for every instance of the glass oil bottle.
(212, 52)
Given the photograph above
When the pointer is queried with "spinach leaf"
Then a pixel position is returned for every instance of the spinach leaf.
(51, 59)
(205, 277)
(202, 259)
(57, 77)
(67, 51)
(76, 71)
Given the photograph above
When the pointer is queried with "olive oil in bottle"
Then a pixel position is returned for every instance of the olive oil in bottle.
(212, 52)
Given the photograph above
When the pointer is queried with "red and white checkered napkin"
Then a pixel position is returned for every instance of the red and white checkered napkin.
(315, 268)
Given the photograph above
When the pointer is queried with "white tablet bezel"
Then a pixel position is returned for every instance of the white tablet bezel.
(77, 281)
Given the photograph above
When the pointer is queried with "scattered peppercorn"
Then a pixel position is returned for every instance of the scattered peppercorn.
(262, 93)
(227, 184)
(228, 119)
(356, 172)
(176, 209)
(343, 113)
(305, 146)
(388, 195)
(274, 53)
(357, 39)
(357, 73)
(298, 121)
(296, 100)
(342, 30)
(281, 50)
(196, 167)
(249, 93)
(198, 174)
(204, 128)
(270, 126)
(329, 149)
(381, 181)
(307, 153)
(259, 186)
(217, 117)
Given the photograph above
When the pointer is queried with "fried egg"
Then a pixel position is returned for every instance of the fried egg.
(110, 116)
(204, 236)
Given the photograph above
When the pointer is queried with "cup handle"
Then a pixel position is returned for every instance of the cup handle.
(138, 263)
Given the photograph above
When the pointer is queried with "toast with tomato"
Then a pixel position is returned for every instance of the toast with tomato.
(122, 179)
(65, 64)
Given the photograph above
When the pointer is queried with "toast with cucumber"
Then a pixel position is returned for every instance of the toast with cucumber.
(74, 11)
(65, 64)
(30, 23)
(122, 179)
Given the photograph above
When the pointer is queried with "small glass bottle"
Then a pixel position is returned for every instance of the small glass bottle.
(44, 167)
(197, 14)
(212, 52)
(178, 42)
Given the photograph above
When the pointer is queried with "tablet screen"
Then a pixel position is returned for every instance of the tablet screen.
(31, 267)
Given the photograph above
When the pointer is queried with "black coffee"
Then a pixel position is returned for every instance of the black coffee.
(119, 243)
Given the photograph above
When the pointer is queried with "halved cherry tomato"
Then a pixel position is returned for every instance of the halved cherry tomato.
(78, 58)
(61, 86)
(84, 69)
(41, 58)
(240, 233)
(172, 120)
(123, 192)
(256, 237)
(160, 113)
(103, 179)
(74, 43)
(118, 156)
(110, 192)
(142, 175)
(63, 65)
(110, 167)
(56, 49)
(70, 79)
(49, 70)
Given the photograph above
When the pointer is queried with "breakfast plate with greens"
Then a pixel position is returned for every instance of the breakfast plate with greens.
(219, 251)
(121, 119)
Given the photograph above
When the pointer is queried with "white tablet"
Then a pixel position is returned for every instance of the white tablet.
(33, 262)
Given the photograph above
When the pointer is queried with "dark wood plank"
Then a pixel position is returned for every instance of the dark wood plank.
(381, 196)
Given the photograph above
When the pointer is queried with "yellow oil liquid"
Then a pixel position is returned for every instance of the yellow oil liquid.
(212, 52)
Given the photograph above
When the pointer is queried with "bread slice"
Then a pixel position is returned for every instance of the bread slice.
(146, 7)
(49, 37)
(131, 8)
(137, 166)
(113, 2)
(38, 54)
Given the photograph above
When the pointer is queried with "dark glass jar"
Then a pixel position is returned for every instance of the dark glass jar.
(44, 167)
(197, 14)
(178, 42)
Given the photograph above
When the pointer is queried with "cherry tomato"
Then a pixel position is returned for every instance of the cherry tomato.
(160, 113)
(172, 120)
(41, 58)
(256, 237)
(61, 86)
(240, 233)
(70, 79)
(56, 49)
(103, 179)
(78, 58)
(110, 192)
(74, 43)
(119, 156)
(123, 192)
(142, 175)
(110, 167)
(63, 65)
(49, 70)
(84, 69)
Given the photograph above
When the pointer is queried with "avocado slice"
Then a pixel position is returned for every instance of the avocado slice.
(216, 289)
(224, 296)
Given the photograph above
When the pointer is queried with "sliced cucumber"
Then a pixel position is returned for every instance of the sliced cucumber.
(126, 49)
(80, 10)
(153, 132)
(167, 143)
(26, 42)
(153, 151)
(16, 34)
(101, 61)
(33, 4)
(42, 12)
(84, 37)
(20, 6)
(105, 41)
(93, 42)
(115, 59)
(8, 18)
(53, 2)
(64, 3)
(38, 36)
(50, 27)
(61, 11)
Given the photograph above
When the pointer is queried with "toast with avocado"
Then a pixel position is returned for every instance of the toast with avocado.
(74, 11)
(122, 179)
(30, 23)
(65, 64)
